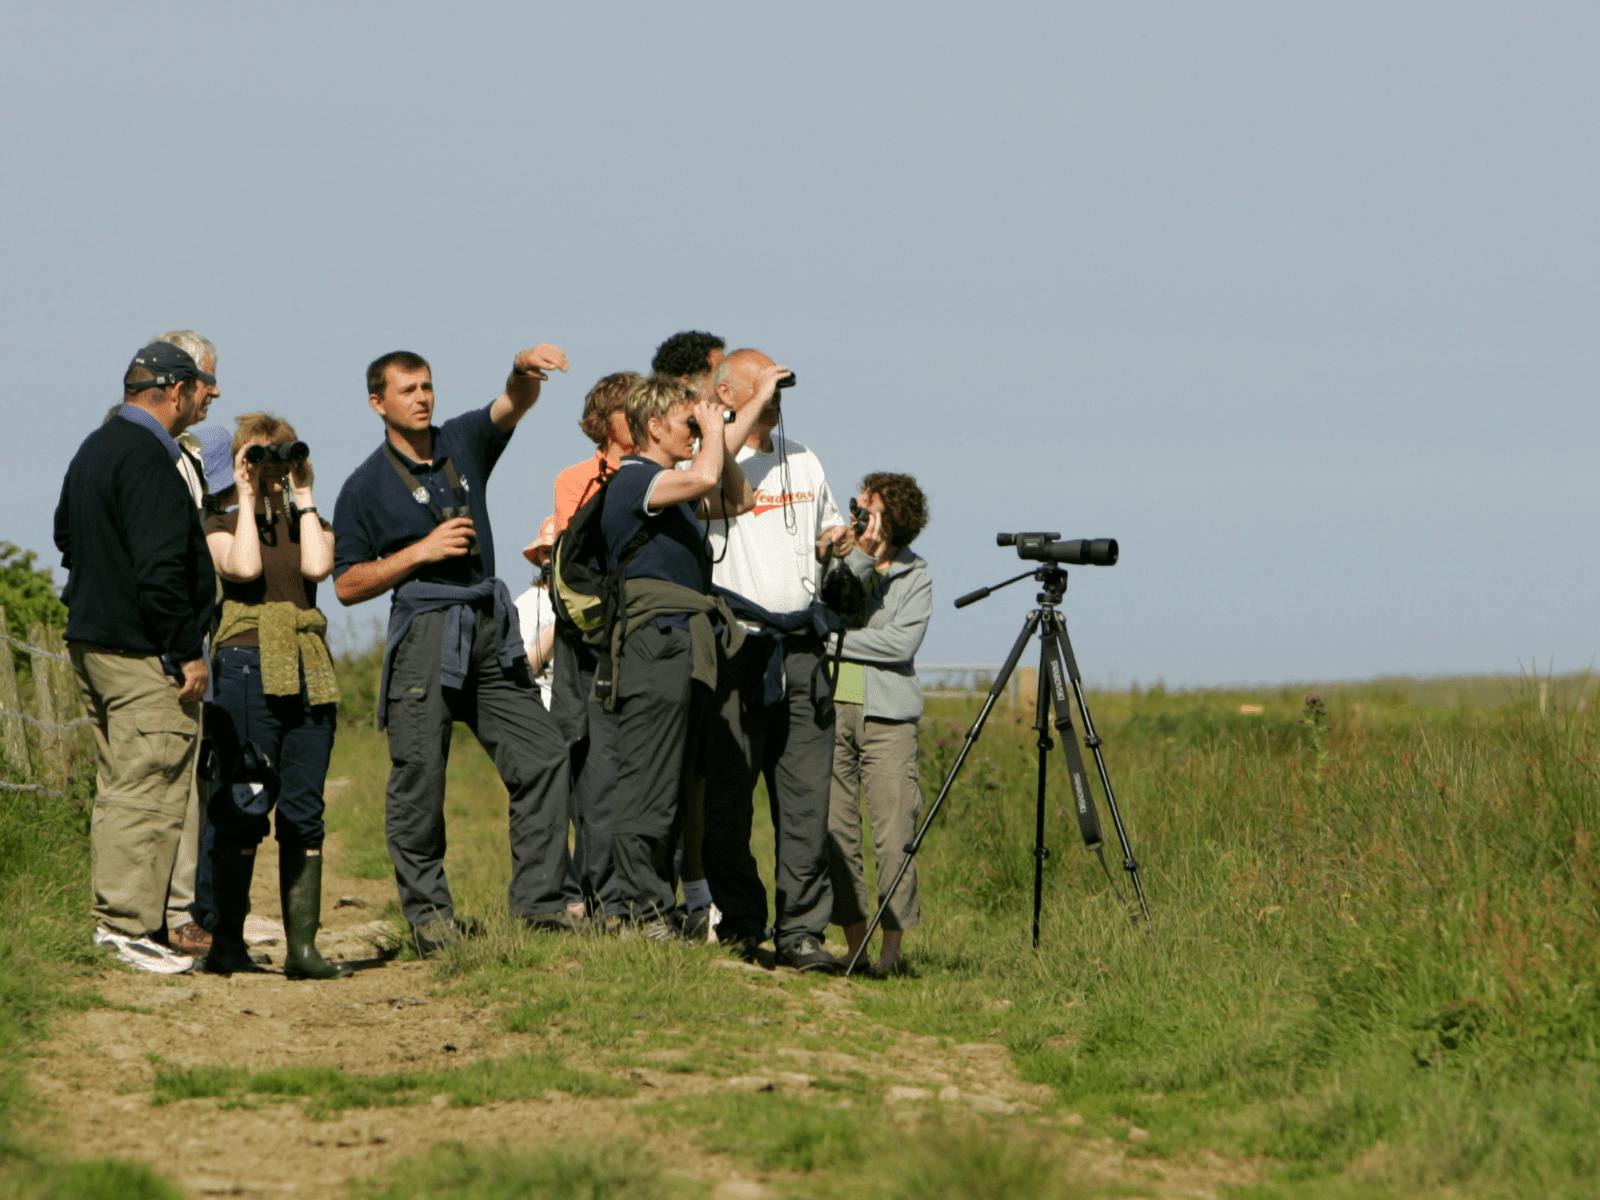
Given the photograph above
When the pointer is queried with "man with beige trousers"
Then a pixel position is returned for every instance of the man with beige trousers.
(139, 594)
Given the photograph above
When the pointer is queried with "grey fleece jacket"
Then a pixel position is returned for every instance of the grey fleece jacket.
(897, 620)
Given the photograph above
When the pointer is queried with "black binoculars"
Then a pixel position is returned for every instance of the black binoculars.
(727, 419)
(288, 453)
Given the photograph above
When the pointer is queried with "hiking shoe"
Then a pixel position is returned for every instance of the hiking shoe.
(651, 929)
(805, 953)
(189, 938)
(433, 937)
(142, 954)
(561, 921)
(696, 924)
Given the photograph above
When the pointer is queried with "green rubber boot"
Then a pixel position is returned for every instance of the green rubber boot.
(231, 869)
(300, 883)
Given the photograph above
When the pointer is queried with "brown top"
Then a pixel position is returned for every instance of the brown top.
(280, 577)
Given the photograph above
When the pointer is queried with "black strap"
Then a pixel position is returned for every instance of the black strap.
(412, 483)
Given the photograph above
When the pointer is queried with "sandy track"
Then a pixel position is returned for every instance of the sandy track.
(96, 1074)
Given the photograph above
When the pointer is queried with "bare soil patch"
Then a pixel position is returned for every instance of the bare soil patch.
(95, 1077)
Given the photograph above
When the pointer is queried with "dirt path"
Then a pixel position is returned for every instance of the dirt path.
(95, 1077)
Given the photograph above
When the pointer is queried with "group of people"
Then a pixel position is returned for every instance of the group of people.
(631, 756)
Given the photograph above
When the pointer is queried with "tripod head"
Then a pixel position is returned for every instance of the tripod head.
(1052, 579)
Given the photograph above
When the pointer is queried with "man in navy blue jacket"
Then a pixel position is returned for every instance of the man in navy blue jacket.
(139, 596)
(413, 519)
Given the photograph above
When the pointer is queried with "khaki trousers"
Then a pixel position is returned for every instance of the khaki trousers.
(875, 761)
(180, 892)
(146, 743)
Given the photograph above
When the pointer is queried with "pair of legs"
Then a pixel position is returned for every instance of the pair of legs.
(789, 743)
(501, 707)
(145, 742)
(189, 890)
(875, 761)
(272, 753)
(592, 735)
(658, 724)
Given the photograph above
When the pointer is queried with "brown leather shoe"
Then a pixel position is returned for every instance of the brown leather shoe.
(190, 939)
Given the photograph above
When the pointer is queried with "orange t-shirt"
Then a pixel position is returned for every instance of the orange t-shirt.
(576, 484)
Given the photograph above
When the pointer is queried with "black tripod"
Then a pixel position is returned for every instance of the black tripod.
(1057, 666)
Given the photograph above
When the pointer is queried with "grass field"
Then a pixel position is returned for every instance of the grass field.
(1372, 972)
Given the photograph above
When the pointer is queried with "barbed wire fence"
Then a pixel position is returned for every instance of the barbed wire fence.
(40, 764)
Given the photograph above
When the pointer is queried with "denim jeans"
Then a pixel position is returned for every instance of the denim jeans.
(295, 735)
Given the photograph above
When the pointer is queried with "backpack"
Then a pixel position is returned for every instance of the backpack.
(585, 586)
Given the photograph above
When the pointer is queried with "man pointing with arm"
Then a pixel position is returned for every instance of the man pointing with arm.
(413, 519)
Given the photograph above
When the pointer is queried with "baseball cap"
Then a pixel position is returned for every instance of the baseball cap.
(169, 364)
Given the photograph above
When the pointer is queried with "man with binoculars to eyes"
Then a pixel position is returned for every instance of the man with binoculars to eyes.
(776, 706)
(413, 519)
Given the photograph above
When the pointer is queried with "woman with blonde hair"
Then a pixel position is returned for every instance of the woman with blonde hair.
(276, 701)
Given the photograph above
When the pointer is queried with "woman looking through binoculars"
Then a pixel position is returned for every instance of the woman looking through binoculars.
(275, 708)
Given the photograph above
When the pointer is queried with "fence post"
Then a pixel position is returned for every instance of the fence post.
(13, 737)
(52, 745)
(1027, 682)
(69, 700)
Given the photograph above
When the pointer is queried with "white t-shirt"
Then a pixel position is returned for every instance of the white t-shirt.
(535, 615)
(772, 550)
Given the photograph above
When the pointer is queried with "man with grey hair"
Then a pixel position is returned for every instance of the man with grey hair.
(185, 900)
(139, 595)
(776, 704)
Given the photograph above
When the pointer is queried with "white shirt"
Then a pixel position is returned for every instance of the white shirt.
(771, 553)
(535, 615)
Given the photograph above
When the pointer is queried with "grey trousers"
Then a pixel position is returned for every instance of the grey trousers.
(659, 721)
(502, 709)
(790, 745)
(592, 740)
(875, 761)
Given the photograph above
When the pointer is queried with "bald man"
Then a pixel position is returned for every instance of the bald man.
(775, 702)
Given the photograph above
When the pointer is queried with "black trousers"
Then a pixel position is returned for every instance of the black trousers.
(790, 745)
(660, 717)
(502, 709)
(592, 736)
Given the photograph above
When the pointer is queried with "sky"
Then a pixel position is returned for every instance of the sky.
(1298, 302)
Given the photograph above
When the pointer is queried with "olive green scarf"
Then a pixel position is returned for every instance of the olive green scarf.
(293, 640)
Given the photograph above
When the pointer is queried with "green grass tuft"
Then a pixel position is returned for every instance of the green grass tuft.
(580, 1172)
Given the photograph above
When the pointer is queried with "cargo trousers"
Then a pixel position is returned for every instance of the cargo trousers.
(145, 743)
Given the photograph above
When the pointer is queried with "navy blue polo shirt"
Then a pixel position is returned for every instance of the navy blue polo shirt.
(376, 514)
(676, 548)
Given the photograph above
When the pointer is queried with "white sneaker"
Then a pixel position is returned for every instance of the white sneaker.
(142, 954)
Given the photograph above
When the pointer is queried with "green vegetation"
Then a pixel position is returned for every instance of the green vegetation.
(1375, 946)
(328, 1091)
(1372, 972)
(44, 955)
(583, 1172)
(28, 594)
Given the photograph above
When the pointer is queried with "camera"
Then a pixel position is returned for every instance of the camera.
(727, 419)
(787, 380)
(1046, 547)
(858, 517)
(287, 453)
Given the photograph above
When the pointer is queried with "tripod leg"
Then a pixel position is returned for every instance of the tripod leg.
(1052, 632)
(1069, 664)
(1041, 725)
(995, 692)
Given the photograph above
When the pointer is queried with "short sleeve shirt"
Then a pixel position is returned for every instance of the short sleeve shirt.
(575, 485)
(280, 578)
(769, 553)
(376, 515)
(676, 548)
